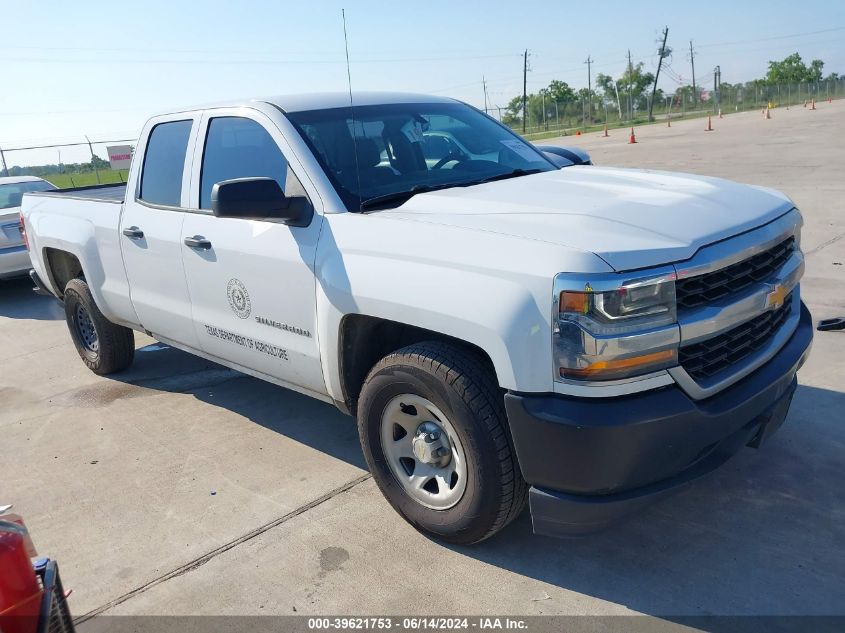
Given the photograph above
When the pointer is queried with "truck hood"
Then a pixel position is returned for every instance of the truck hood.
(630, 218)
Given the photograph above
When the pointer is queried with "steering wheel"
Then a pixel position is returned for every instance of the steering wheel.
(448, 158)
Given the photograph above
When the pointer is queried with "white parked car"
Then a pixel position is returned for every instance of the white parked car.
(589, 338)
(14, 258)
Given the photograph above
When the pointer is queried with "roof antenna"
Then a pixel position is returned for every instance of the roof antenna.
(352, 114)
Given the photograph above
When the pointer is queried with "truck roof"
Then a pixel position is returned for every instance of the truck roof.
(324, 101)
(328, 100)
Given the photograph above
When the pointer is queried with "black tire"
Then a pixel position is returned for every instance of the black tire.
(115, 345)
(465, 390)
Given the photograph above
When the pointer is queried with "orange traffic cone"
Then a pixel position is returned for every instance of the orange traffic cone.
(709, 127)
(632, 139)
(605, 130)
(829, 100)
(578, 133)
(813, 107)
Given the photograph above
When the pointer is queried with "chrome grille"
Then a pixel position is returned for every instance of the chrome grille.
(708, 358)
(710, 287)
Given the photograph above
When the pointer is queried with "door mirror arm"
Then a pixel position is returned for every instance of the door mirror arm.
(259, 199)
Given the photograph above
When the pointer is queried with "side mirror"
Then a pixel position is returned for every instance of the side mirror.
(559, 161)
(258, 199)
(573, 155)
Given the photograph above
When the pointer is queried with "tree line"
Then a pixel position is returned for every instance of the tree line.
(64, 168)
(631, 91)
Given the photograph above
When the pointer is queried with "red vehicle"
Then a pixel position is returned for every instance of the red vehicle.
(31, 596)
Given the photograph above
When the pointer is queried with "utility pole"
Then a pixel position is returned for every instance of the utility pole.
(589, 63)
(93, 159)
(663, 52)
(717, 84)
(618, 102)
(524, 89)
(484, 83)
(630, 93)
(692, 62)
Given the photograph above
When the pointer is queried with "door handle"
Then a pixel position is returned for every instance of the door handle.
(198, 241)
(133, 232)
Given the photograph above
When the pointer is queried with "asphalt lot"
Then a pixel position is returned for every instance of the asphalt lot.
(180, 487)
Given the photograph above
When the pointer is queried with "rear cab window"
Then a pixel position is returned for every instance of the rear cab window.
(164, 163)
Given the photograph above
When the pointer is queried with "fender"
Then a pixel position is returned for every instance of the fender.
(490, 290)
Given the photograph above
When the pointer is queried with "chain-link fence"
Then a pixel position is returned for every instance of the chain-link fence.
(77, 163)
(620, 110)
(81, 162)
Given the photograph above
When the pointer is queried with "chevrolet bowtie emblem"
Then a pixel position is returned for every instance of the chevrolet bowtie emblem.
(776, 297)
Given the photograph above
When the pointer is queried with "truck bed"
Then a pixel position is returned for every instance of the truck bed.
(101, 193)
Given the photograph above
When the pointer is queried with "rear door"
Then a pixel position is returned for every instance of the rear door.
(252, 282)
(151, 230)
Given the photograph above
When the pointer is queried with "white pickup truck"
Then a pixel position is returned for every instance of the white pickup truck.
(586, 338)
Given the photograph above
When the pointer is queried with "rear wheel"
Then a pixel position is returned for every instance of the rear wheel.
(104, 347)
(434, 432)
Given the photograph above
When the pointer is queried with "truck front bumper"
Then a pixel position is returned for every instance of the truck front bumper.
(590, 462)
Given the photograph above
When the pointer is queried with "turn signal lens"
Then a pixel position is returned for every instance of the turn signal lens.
(578, 302)
(609, 369)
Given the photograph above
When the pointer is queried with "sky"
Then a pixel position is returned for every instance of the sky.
(100, 69)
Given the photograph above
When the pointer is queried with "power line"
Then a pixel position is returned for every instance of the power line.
(775, 37)
(240, 62)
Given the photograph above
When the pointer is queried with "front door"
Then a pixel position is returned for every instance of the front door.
(251, 282)
(151, 233)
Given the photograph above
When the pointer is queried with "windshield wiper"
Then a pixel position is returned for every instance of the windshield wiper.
(516, 173)
(396, 196)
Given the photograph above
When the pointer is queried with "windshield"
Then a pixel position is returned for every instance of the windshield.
(11, 194)
(410, 148)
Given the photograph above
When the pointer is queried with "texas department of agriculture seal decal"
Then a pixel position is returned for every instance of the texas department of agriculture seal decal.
(238, 298)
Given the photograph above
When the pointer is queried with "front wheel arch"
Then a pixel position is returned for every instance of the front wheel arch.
(364, 340)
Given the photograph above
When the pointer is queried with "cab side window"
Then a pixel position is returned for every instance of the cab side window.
(164, 162)
(241, 148)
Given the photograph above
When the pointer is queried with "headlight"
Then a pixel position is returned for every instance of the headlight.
(611, 327)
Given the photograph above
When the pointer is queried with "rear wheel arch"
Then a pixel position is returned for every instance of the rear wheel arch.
(62, 266)
(364, 340)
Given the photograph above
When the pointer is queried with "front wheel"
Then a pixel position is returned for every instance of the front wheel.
(104, 347)
(434, 432)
